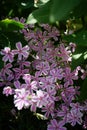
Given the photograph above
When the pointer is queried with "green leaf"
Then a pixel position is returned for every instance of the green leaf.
(79, 56)
(10, 25)
(53, 11)
(41, 14)
(83, 94)
(81, 9)
(61, 8)
(80, 38)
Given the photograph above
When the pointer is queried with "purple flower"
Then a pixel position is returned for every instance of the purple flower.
(46, 82)
(22, 52)
(40, 99)
(76, 107)
(63, 112)
(69, 76)
(54, 33)
(20, 72)
(21, 98)
(7, 91)
(18, 85)
(6, 80)
(8, 55)
(64, 53)
(6, 70)
(24, 63)
(30, 85)
(48, 109)
(43, 68)
(54, 125)
(74, 117)
(57, 73)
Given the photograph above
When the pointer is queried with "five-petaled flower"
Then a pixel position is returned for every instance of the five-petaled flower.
(21, 51)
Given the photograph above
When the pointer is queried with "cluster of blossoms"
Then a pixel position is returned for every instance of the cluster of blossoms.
(39, 76)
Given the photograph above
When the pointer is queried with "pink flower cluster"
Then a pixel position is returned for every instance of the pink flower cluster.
(40, 77)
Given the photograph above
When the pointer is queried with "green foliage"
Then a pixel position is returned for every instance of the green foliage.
(79, 38)
(53, 11)
(41, 14)
(83, 94)
(10, 25)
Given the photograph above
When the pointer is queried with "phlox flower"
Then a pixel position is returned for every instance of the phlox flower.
(7, 91)
(54, 125)
(40, 99)
(48, 109)
(74, 117)
(21, 51)
(43, 68)
(76, 107)
(6, 80)
(8, 54)
(69, 76)
(18, 85)
(57, 73)
(64, 53)
(30, 85)
(6, 70)
(46, 82)
(54, 33)
(63, 112)
(20, 72)
(21, 98)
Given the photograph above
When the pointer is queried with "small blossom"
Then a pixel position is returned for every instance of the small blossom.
(6, 70)
(22, 52)
(69, 76)
(40, 99)
(64, 53)
(54, 125)
(43, 68)
(7, 91)
(8, 55)
(30, 85)
(21, 98)
(74, 117)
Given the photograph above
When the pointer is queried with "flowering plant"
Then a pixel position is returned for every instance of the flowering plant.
(39, 76)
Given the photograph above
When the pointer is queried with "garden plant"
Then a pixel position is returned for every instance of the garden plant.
(43, 65)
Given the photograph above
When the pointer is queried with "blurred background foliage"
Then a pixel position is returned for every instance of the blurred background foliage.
(70, 17)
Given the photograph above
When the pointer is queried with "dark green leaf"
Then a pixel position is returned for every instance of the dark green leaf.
(83, 94)
(41, 14)
(80, 38)
(78, 56)
(53, 11)
(61, 8)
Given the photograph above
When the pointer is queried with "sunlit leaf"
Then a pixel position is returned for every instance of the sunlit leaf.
(10, 25)
(78, 56)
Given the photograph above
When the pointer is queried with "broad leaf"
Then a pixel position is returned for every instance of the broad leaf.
(10, 25)
(52, 11)
(61, 8)
(41, 14)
